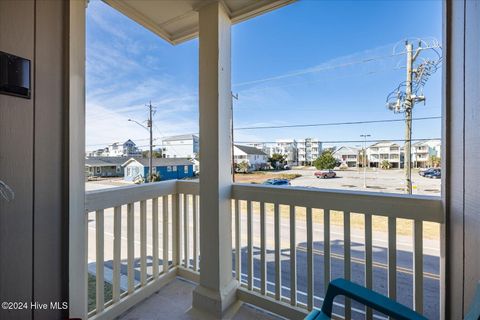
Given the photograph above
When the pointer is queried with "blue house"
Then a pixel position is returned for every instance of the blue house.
(167, 168)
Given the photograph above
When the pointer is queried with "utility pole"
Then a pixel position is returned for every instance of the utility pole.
(364, 136)
(404, 101)
(408, 120)
(149, 128)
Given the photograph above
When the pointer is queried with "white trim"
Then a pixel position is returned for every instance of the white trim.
(77, 285)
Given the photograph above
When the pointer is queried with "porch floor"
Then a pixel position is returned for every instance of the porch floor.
(174, 301)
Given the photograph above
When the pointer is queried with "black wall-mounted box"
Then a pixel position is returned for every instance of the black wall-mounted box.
(14, 75)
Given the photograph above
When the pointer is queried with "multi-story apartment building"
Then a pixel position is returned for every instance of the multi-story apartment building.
(422, 152)
(386, 150)
(308, 150)
(287, 148)
(181, 146)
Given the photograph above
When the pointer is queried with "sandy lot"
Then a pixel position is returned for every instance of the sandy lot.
(377, 180)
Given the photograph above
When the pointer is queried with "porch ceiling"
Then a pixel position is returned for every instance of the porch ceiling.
(177, 20)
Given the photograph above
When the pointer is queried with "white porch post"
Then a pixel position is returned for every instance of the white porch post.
(217, 288)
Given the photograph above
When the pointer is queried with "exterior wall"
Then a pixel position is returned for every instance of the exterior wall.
(255, 161)
(106, 171)
(376, 154)
(166, 172)
(344, 155)
(461, 173)
(183, 148)
(308, 150)
(34, 264)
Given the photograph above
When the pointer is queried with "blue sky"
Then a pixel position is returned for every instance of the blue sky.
(310, 62)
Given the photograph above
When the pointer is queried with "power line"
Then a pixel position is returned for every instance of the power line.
(321, 68)
(345, 141)
(297, 126)
(333, 123)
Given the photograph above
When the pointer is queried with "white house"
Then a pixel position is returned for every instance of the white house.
(348, 156)
(386, 150)
(255, 158)
(181, 146)
(116, 149)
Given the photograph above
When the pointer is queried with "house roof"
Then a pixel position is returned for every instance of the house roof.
(351, 150)
(104, 161)
(180, 137)
(250, 150)
(176, 21)
(160, 162)
(384, 144)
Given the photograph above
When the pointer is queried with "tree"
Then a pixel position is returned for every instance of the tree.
(325, 161)
(156, 154)
(277, 160)
(385, 164)
(434, 161)
(242, 167)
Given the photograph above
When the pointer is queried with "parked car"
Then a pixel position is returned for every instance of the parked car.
(325, 174)
(435, 174)
(427, 171)
(277, 182)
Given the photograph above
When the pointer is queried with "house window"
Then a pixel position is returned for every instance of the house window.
(154, 170)
(175, 168)
(169, 168)
(185, 168)
(129, 172)
(118, 169)
(99, 169)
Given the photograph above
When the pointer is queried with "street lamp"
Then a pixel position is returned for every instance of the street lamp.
(364, 136)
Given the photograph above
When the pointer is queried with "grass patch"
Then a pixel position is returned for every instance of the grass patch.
(262, 176)
(431, 230)
(92, 280)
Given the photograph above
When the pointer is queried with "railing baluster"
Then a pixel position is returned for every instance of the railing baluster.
(130, 247)
(100, 282)
(143, 242)
(238, 242)
(176, 229)
(278, 251)
(392, 258)
(250, 245)
(195, 233)
(117, 243)
(186, 230)
(155, 237)
(293, 258)
(263, 251)
(165, 245)
(347, 259)
(418, 265)
(326, 248)
(368, 259)
(309, 259)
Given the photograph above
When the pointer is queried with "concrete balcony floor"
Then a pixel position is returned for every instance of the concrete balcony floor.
(174, 301)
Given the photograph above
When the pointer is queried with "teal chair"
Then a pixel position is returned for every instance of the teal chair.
(367, 297)
(376, 301)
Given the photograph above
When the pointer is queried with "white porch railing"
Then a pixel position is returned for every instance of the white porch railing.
(154, 215)
(168, 211)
